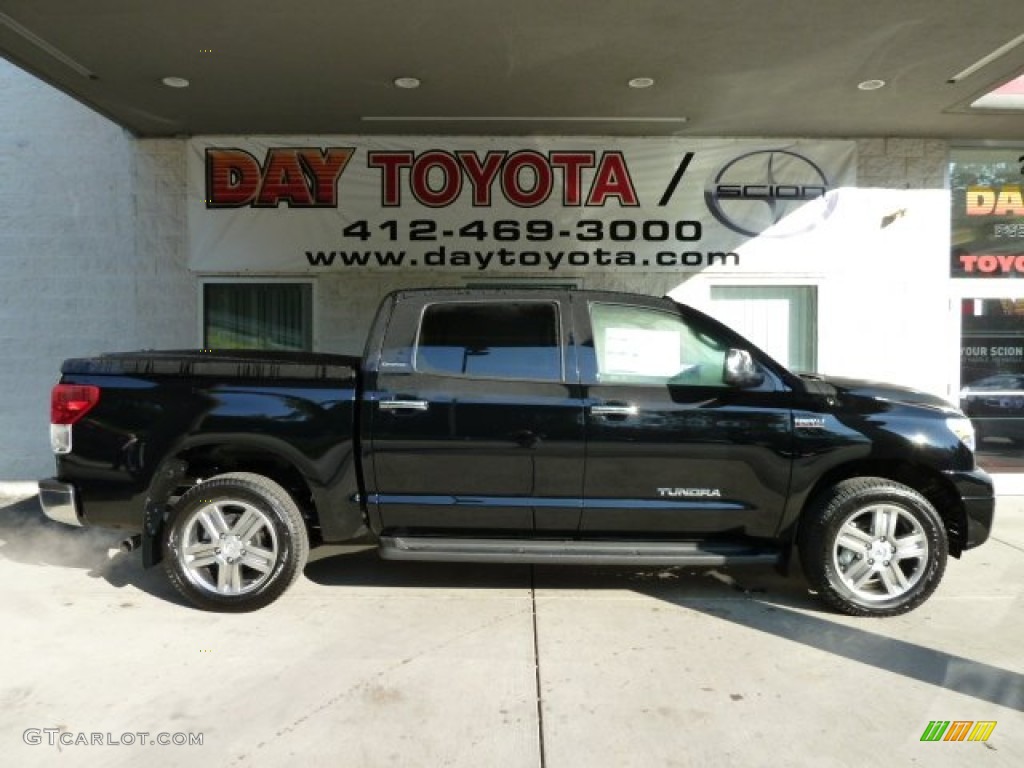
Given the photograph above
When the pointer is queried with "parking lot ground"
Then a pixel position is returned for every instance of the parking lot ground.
(372, 663)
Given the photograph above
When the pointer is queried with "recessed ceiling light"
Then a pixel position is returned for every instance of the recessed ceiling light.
(871, 85)
(175, 82)
(407, 82)
(641, 82)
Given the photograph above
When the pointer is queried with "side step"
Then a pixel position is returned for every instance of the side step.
(569, 552)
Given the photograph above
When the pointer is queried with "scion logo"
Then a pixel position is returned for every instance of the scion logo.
(770, 188)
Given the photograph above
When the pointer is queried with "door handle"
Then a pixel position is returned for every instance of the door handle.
(403, 405)
(618, 410)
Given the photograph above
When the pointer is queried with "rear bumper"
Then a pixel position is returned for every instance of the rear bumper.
(979, 500)
(58, 501)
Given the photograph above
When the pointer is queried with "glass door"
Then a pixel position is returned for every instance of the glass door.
(992, 379)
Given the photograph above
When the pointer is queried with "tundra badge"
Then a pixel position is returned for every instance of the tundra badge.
(705, 493)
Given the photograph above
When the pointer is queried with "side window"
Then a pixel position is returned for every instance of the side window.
(637, 345)
(491, 340)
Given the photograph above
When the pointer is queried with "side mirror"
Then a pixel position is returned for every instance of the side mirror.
(741, 370)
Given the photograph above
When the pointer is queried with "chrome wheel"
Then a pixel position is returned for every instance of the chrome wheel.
(228, 547)
(880, 552)
(235, 542)
(871, 546)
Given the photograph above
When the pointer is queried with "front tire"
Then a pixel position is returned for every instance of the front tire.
(236, 543)
(873, 547)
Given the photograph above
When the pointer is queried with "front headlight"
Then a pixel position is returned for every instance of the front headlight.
(964, 430)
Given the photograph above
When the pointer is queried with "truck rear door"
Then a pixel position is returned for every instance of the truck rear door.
(476, 416)
(672, 450)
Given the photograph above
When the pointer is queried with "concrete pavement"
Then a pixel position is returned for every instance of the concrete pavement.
(372, 663)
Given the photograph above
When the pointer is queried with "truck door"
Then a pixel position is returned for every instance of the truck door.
(672, 450)
(476, 416)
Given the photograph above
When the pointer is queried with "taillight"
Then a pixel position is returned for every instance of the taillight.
(70, 402)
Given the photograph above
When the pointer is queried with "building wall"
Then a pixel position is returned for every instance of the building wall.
(93, 252)
(93, 245)
(890, 315)
(882, 271)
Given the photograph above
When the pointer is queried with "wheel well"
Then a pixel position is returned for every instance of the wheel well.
(209, 461)
(939, 492)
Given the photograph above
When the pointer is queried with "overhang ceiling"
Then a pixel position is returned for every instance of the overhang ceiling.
(728, 67)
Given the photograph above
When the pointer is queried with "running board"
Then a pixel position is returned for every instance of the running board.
(570, 552)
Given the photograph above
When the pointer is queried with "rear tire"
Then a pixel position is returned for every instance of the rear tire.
(873, 547)
(236, 543)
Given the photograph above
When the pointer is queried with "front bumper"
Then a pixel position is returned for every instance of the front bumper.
(58, 501)
(979, 502)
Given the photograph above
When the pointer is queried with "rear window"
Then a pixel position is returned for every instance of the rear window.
(514, 340)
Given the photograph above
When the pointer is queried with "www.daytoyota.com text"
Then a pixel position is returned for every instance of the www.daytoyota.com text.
(657, 235)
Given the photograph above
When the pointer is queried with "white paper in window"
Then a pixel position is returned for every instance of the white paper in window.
(641, 352)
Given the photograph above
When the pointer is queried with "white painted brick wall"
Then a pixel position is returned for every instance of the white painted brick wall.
(93, 253)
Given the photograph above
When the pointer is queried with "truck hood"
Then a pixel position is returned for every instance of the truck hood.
(839, 386)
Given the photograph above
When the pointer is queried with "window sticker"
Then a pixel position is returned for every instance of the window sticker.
(642, 352)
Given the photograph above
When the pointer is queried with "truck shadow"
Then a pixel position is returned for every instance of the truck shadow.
(788, 621)
(336, 566)
(363, 567)
(756, 598)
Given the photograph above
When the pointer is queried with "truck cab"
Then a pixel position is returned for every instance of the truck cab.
(552, 413)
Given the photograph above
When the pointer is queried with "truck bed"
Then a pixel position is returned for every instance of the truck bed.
(238, 364)
(216, 410)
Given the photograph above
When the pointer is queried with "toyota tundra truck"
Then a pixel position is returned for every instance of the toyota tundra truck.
(517, 426)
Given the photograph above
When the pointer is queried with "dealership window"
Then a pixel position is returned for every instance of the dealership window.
(780, 319)
(987, 212)
(252, 315)
(992, 376)
(490, 339)
(987, 264)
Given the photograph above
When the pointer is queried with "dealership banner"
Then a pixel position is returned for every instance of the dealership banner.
(987, 212)
(286, 205)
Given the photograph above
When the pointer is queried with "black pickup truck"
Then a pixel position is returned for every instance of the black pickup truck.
(539, 426)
